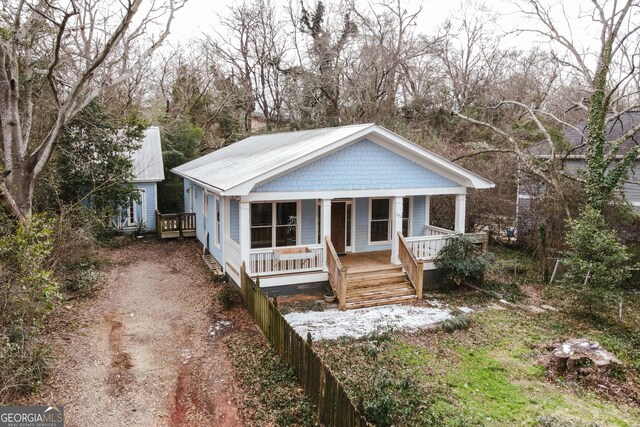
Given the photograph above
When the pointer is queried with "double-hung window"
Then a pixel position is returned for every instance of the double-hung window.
(217, 214)
(274, 224)
(406, 216)
(379, 226)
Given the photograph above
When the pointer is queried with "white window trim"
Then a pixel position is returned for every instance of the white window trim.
(273, 222)
(389, 219)
(143, 210)
(217, 220)
(205, 204)
(410, 218)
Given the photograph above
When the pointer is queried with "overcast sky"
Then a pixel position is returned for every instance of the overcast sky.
(201, 15)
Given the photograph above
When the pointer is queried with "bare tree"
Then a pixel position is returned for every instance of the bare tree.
(73, 50)
(608, 92)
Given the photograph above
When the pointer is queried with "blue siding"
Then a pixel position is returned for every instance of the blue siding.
(187, 185)
(210, 229)
(206, 225)
(417, 216)
(363, 165)
(362, 229)
(308, 210)
(234, 220)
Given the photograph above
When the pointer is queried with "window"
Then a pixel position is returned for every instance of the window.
(205, 204)
(348, 226)
(319, 224)
(274, 224)
(217, 214)
(261, 225)
(406, 216)
(131, 212)
(379, 225)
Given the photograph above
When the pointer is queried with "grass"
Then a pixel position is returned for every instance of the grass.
(489, 374)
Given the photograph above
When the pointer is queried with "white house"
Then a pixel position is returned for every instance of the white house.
(347, 205)
(148, 170)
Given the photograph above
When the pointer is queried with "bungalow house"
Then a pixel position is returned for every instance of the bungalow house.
(348, 205)
(530, 190)
(148, 170)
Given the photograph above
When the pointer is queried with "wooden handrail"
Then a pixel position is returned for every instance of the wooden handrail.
(337, 274)
(413, 266)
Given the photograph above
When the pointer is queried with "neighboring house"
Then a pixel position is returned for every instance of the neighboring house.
(287, 204)
(531, 189)
(148, 170)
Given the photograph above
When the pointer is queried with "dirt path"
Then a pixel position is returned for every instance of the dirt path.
(149, 351)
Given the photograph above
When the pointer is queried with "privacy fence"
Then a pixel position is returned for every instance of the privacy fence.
(324, 390)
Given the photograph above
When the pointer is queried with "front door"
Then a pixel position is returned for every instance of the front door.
(338, 226)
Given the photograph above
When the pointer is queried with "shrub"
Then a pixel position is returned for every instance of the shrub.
(456, 323)
(228, 296)
(461, 261)
(29, 292)
(598, 265)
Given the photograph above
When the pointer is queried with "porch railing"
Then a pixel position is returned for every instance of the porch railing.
(337, 274)
(268, 261)
(427, 248)
(432, 230)
(176, 225)
(412, 266)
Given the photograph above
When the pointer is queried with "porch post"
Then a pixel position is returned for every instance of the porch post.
(325, 228)
(245, 234)
(396, 227)
(427, 211)
(461, 203)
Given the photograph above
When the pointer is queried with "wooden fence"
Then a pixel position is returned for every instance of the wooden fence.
(335, 409)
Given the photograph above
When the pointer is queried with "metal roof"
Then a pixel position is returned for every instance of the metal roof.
(147, 160)
(263, 157)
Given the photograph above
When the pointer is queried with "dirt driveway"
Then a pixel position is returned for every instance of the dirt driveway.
(148, 351)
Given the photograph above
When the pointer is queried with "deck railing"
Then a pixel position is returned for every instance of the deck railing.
(337, 274)
(412, 266)
(292, 259)
(427, 248)
(432, 230)
(175, 225)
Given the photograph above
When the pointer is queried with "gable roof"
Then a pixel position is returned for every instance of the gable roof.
(147, 160)
(576, 136)
(236, 169)
(615, 129)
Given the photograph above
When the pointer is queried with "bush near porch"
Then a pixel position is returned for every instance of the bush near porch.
(490, 373)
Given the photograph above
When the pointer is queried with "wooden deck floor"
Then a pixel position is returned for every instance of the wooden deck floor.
(366, 259)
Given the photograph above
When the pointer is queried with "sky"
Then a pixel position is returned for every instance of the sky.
(199, 16)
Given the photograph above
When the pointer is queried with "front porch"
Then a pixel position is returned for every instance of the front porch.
(363, 254)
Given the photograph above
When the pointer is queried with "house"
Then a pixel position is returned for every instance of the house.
(148, 170)
(348, 205)
(530, 189)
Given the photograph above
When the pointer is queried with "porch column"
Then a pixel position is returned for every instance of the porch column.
(396, 227)
(245, 233)
(427, 211)
(461, 204)
(325, 227)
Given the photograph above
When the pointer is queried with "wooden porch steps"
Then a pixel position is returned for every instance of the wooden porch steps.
(213, 265)
(380, 285)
